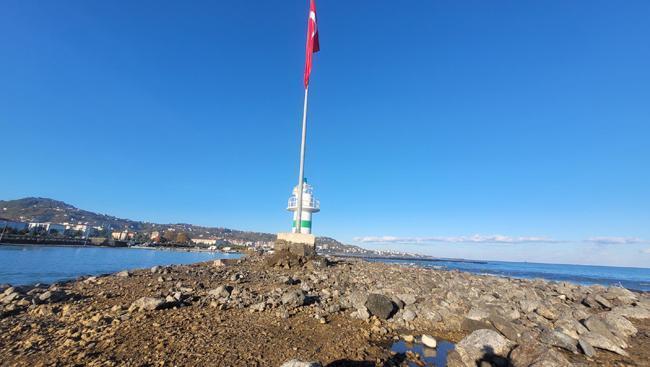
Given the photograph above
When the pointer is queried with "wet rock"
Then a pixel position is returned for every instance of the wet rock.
(380, 306)
(408, 338)
(536, 355)
(148, 303)
(484, 345)
(429, 341)
(455, 360)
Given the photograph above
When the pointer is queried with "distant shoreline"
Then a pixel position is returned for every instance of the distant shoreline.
(90, 245)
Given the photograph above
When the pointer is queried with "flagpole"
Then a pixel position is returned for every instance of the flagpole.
(301, 175)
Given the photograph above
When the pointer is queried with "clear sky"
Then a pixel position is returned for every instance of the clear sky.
(513, 130)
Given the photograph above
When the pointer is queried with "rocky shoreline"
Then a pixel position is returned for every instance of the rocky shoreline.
(266, 311)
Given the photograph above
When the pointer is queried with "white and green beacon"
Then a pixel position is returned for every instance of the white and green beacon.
(309, 205)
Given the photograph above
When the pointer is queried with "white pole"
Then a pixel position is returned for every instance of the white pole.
(301, 176)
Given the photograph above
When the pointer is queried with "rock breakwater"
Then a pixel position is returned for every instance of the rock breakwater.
(267, 311)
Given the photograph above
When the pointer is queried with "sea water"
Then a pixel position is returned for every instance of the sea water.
(27, 264)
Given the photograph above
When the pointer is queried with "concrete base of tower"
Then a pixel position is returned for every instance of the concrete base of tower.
(300, 244)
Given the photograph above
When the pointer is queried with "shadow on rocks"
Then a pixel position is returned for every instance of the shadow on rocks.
(395, 360)
(489, 358)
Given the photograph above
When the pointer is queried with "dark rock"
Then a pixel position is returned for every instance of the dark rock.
(380, 306)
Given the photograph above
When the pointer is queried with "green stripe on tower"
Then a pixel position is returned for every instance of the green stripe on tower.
(304, 224)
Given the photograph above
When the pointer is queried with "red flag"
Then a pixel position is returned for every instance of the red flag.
(312, 40)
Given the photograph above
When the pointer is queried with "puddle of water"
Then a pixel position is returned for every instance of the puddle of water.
(432, 357)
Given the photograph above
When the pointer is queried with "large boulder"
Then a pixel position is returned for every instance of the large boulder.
(380, 306)
(221, 291)
(622, 295)
(599, 341)
(620, 326)
(634, 312)
(596, 325)
(148, 303)
(559, 339)
(537, 355)
(484, 346)
(294, 298)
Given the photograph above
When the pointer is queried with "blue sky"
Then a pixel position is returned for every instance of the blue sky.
(513, 130)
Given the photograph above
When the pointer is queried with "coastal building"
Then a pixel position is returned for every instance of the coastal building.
(47, 227)
(123, 235)
(309, 205)
(155, 236)
(205, 241)
(83, 228)
(11, 224)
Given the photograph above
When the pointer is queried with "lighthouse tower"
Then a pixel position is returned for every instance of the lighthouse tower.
(309, 205)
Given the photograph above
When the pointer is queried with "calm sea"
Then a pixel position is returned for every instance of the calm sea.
(632, 278)
(20, 265)
(48, 264)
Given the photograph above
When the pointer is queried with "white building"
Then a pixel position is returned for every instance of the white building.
(48, 227)
(205, 241)
(83, 228)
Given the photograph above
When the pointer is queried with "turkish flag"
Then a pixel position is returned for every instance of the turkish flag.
(312, 40)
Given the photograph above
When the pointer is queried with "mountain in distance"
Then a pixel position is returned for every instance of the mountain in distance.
(41, 210)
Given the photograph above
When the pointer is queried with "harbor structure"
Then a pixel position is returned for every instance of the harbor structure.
(309, 206)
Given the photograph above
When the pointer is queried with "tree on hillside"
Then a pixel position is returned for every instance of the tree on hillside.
(182, 238)
(169, 236)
